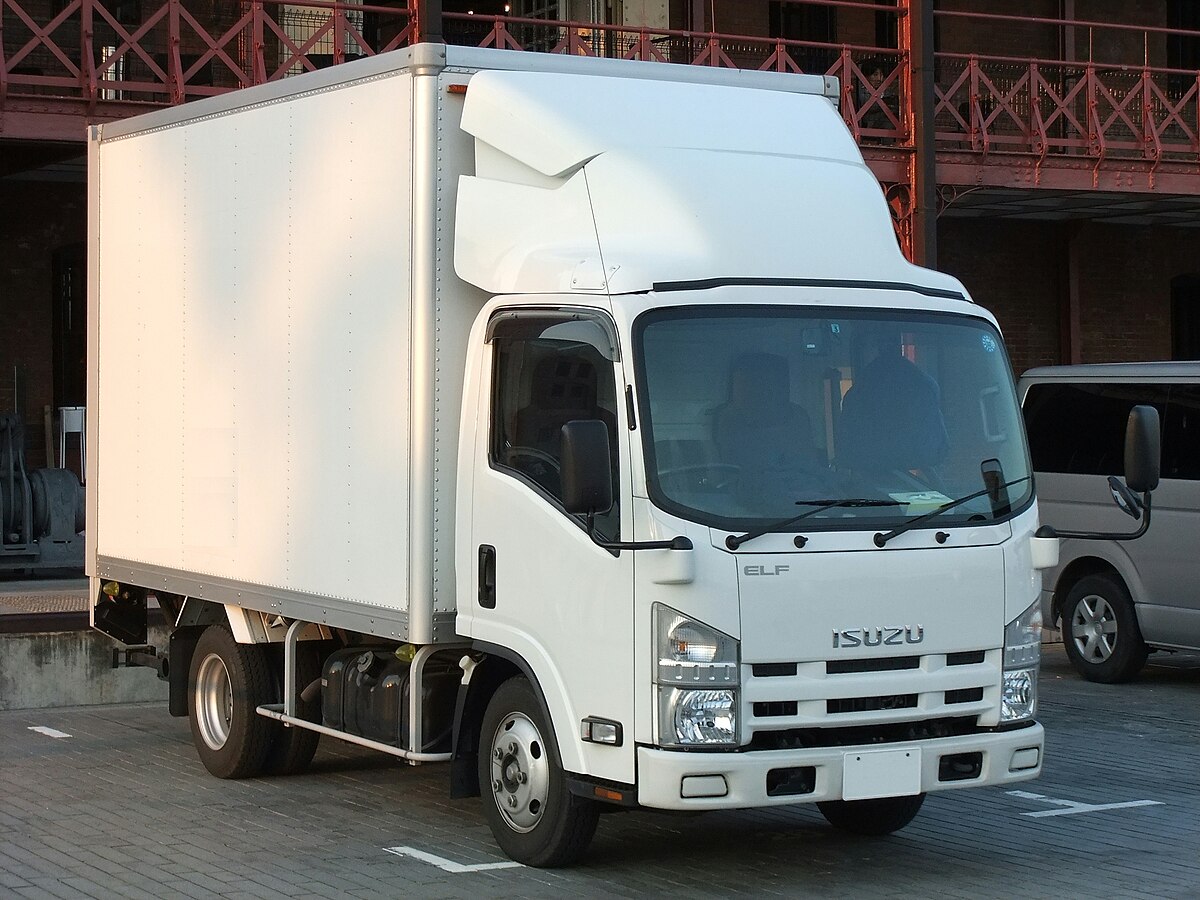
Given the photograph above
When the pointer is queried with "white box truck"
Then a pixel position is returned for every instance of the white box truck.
(574, 421)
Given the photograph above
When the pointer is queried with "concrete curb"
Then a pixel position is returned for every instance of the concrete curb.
(72, 668)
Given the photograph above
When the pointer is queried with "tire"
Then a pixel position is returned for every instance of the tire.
(292, 749)
(227, 682)
(873, 818)
(535, 819)
(1100, 630)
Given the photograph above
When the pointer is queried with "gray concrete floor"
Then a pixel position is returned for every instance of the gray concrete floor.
(122, 808)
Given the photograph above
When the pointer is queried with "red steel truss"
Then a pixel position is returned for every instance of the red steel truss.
(1000, 120)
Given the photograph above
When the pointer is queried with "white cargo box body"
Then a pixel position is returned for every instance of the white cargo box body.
(272, 353)
(277, 336)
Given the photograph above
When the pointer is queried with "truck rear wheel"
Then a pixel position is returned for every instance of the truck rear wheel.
(228, 681)
(873, 818)
(535, 819)
(293, 748)
(1100, 630)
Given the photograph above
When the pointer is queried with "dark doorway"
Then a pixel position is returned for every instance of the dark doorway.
(70, 325)
(1185, 317)
(1183, 50)
(802, 22)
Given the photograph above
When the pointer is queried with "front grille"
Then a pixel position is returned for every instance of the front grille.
(884, 664)
(869, 691)
(870, 704)
(965, 658)
(851, 735)
(774, 708)
(965, 695)
(773, 670)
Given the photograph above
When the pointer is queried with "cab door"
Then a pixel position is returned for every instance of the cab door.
(546, 589)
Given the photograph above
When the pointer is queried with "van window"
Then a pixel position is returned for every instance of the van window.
(1079, 429)
(1181, 433)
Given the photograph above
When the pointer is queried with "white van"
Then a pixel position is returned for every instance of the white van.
(1117, 599)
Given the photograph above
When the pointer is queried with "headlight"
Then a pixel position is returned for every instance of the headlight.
(1022, 653)
(696, 670)
(1019, 700)
(698, 717)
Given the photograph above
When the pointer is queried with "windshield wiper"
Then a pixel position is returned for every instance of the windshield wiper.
(882, 537)
(736, 540)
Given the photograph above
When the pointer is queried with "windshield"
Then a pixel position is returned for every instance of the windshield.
(753, 415)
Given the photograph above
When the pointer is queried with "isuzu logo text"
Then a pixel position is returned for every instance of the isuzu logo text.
(888, 635)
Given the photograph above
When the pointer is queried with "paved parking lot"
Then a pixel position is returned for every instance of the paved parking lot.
(122, 807)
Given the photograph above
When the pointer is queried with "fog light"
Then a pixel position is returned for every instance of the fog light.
(703, 786)
(1025, 759)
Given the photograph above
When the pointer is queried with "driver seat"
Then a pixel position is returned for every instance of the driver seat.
(759, 429)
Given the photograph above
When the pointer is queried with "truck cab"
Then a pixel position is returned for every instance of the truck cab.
(848, 614)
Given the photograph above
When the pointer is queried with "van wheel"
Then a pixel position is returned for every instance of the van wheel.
(293, 748)
(227, 682)
(1100, 630)
(535, 819)
(873, 818)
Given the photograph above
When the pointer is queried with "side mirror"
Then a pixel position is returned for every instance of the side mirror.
(586, 467)
(1143, 452)
(997, 492)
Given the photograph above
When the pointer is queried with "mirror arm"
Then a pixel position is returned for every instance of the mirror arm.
(676, 543)
(1047, 531)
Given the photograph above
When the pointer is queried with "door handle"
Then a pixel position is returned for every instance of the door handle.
(487, 576)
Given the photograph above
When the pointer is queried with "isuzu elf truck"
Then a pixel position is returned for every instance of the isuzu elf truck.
(575, 422)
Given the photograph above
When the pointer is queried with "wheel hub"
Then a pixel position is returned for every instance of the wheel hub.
(520, 772)
(1094, 629)
(214, 701)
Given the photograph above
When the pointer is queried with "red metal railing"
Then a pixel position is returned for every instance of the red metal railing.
(1100, 108)
(986, 103)
(871, 77)
(86, 50)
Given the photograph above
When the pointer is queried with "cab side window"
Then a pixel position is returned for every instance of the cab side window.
(548, 373)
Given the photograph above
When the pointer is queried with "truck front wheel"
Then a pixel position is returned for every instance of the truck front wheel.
(872, 817)
(535, 819)
(228, 681)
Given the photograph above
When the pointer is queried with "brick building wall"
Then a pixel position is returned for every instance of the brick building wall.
(1018, 271)
(1014, 270)
(1125, 289)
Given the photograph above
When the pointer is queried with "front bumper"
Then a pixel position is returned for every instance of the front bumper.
(661, 773)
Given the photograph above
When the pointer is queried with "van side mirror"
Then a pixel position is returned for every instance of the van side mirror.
(586, 469)
(1143, 450)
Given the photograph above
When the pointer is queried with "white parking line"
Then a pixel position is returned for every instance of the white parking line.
(49, 732)
(1074, 808)
(448, 865)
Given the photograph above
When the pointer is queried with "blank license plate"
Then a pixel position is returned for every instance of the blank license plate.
(869, 774)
